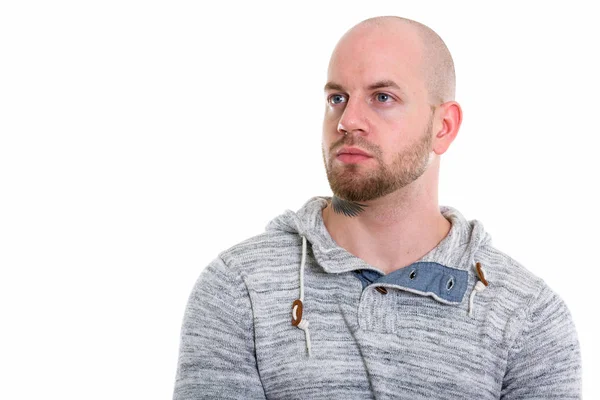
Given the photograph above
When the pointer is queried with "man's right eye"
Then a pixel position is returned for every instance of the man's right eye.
(337, 99)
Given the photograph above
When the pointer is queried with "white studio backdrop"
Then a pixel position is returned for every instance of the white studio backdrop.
(138, 139)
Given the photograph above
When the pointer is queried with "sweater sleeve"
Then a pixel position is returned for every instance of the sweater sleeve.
(544, 361)
(216, 355)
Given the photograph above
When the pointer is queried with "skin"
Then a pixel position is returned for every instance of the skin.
(405, 128)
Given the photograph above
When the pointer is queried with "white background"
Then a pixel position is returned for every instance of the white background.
(141, 138)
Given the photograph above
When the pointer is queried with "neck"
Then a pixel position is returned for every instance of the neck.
(393, 231)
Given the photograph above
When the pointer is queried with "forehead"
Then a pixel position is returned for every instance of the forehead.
(366, 55)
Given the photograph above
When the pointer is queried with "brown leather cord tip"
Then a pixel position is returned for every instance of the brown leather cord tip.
(381, 289)
(296, 312)
(481, 276)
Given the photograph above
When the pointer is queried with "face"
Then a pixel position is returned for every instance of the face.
(376, 102)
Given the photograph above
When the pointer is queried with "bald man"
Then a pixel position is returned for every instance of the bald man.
(378, 291)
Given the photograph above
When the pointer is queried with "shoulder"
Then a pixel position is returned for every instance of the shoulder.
(516, 290)
(508, 275)
(263, 255)
(252, 264)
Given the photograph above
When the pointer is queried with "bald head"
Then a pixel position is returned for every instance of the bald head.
(432, 57)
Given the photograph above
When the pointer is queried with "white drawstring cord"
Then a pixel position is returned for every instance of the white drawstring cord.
(302, 268)
(479, 286)
(303, 324)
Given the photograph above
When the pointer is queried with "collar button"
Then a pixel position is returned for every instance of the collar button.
(381, 289)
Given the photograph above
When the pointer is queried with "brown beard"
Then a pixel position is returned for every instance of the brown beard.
(350, 186)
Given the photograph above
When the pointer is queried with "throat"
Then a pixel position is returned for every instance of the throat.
(387, 248)
(346, 207)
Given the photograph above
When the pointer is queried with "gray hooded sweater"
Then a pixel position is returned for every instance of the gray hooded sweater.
(440, 328)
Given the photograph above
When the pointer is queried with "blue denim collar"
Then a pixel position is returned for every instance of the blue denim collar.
(445, 284)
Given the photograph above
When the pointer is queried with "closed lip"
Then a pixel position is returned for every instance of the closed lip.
(352, 150)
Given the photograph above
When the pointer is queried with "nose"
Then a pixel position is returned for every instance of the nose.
(353, 118)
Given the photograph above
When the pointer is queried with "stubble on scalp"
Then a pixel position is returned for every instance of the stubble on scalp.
(437, 63)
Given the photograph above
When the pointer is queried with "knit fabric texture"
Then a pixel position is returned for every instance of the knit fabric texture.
(450, 337)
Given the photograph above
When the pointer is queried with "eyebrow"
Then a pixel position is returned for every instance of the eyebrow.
(383, 84)
(376, 85)
(333, 86)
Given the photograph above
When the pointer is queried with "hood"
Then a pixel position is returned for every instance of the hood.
(457, 250)
(443, 273)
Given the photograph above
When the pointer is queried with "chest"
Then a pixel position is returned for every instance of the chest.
(367, 344)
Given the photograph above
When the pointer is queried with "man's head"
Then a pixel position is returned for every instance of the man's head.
(390, 92)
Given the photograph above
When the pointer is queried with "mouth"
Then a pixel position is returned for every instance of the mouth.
(352, 155)
(353, 151)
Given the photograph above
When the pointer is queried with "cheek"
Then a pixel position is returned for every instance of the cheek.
(398, 123)
(395, 114)
(326, 144)
(331, 117)
(326, 155)
(330, 126)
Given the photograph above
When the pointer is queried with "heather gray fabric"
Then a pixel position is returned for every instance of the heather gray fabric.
(237, 341)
